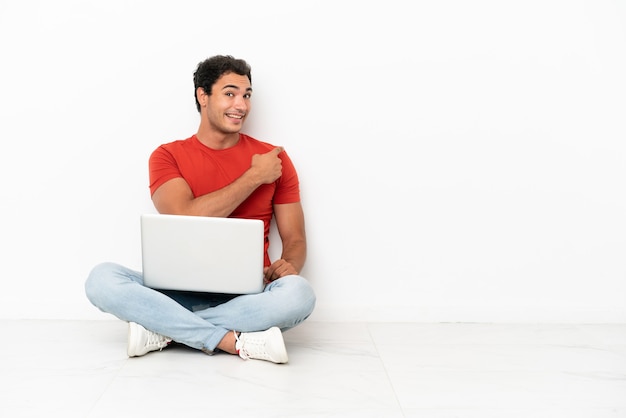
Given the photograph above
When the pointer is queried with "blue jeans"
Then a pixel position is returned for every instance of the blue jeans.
(199, 320)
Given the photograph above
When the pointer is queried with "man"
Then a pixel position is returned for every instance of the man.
(220, 172)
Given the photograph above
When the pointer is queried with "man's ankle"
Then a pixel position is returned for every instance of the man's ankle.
(227, 344)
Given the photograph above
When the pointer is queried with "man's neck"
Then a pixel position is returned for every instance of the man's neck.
(217, 140)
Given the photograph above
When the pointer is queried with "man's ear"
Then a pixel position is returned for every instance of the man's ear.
(201, 96)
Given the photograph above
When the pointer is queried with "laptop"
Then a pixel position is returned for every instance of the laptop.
(202, 254)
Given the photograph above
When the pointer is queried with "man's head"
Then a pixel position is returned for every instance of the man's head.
(211, 69)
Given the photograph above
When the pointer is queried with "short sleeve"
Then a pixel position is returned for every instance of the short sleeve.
(162, 167)
(288, 186)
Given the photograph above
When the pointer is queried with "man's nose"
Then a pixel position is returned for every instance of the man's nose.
(241, 103)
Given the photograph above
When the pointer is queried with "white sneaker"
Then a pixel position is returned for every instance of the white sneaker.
(142, 341)
(264, 345)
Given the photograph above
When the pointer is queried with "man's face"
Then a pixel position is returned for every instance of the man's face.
(229, 103)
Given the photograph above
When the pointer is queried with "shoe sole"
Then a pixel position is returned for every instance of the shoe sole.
(133, 332)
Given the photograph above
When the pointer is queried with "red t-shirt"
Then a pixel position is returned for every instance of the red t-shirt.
(206, 170)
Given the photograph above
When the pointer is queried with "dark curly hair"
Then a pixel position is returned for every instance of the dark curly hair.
(211, 69)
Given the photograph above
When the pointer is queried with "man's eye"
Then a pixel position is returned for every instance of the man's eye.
(229, 94)
(247, 96)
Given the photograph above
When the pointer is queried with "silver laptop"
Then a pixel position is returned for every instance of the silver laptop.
(202, 254)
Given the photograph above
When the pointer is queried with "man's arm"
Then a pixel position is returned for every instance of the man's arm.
(290, 223)
(175, 196)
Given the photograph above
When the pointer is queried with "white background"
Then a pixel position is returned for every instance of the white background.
(459, 160)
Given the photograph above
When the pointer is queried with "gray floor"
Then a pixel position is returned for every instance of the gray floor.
(80, 369)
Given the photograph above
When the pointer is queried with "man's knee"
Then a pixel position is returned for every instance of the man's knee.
(97, 281)
(302, 297)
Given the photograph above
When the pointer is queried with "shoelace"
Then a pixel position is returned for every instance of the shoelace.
(156, 340)
(239, 346)
(251, 347)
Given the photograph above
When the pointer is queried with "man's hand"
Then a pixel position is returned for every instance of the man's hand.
(278, 269)
(267, 167)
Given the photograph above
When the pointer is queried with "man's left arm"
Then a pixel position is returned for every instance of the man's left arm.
(290, 224)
